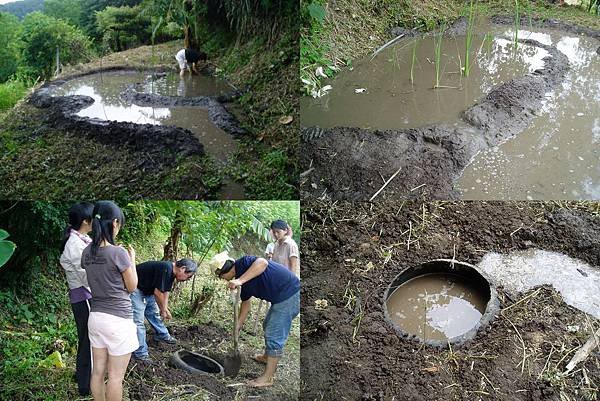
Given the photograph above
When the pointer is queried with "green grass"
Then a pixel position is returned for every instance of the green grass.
(10, 93)
(544, 10)
(469, 37)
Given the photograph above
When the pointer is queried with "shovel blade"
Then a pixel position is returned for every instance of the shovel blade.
(232, 364)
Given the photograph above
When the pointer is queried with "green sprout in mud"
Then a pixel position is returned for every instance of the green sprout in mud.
(412, 62)
(517, 24)
(438, 54)
(469, 38)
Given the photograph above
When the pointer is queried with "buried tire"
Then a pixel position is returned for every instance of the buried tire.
(195, 363)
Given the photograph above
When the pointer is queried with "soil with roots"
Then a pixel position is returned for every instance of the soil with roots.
(161, 381)
(352, 251)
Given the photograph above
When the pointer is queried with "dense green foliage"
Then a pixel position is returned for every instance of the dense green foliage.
(68, 10)
(42, 36)
(123, 27)
(9, 32)
(89, 9)
(22, 8)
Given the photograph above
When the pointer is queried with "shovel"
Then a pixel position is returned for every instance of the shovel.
(233, 361)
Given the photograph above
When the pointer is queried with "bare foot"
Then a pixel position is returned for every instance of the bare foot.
(260, 382)
(261, 358)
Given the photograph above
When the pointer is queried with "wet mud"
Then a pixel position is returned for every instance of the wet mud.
(158, 144)
(350, 352)
(354, 163)
(217, 112)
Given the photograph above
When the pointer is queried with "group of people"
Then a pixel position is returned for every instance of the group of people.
(112, 296)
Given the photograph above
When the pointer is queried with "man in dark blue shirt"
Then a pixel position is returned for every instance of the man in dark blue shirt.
(155, 281)
(271, 282)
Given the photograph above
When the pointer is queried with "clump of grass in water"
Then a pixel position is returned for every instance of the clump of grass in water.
(438, 53)
(469, 38)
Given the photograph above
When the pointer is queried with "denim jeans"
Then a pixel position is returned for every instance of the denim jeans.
(278, 323)
(145, 306)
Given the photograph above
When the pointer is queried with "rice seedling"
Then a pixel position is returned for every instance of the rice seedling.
(438, 53)
(517, 24)
(469, 38)
(412, 61)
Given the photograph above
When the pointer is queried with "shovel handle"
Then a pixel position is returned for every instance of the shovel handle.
(236, 301)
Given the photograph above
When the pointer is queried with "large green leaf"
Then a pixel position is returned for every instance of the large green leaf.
(7, 248)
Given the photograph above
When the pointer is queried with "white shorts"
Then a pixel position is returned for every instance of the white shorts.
(180, 57)
(117, 334)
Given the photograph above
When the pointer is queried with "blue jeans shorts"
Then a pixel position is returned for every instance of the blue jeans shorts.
(278, 323)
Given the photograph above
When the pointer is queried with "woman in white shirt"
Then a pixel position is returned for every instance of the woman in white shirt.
(75, 240)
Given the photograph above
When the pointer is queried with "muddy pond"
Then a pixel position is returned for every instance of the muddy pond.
(407, 86)
(106, 89)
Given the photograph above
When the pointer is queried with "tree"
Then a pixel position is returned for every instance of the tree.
(9, 33)
(68, 10)
(91, 7)
(123, 27)
(22, 8)
(42, 35)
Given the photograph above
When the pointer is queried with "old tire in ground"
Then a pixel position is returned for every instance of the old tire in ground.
(195, 363)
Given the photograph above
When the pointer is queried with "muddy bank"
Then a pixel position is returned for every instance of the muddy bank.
(160, 144)
(350, 352)
(217, 112)
(352, 163)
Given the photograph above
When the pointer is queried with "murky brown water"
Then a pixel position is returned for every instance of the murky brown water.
(105, 89)
(558, 155)
(379, 94)
(520, 271)
(436, 306)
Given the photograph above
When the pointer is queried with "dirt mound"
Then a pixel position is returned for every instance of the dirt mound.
(350, 352)
(217, 112)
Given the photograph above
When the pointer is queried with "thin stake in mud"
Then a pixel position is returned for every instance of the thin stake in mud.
(384, 185)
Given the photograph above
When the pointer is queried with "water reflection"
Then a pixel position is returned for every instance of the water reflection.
(379, 94)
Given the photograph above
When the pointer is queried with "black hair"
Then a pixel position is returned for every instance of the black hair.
(188, 264)
(279, 224)
(78, 213)
(227, 266)
(102, 223)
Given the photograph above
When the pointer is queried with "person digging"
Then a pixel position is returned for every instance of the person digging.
(155, 281)
(188, 60)
(269, 281)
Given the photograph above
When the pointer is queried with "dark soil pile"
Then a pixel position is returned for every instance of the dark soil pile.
(352, 252)
(149, 381)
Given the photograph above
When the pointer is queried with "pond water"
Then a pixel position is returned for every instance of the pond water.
(105, 88)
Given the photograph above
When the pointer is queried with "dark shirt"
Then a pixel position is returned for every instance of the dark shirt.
(193, 56)
(153, 275)
(275, 284)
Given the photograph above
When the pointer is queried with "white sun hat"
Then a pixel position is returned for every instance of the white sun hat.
(219, 260)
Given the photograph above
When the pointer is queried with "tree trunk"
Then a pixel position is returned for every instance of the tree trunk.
(171, 249)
